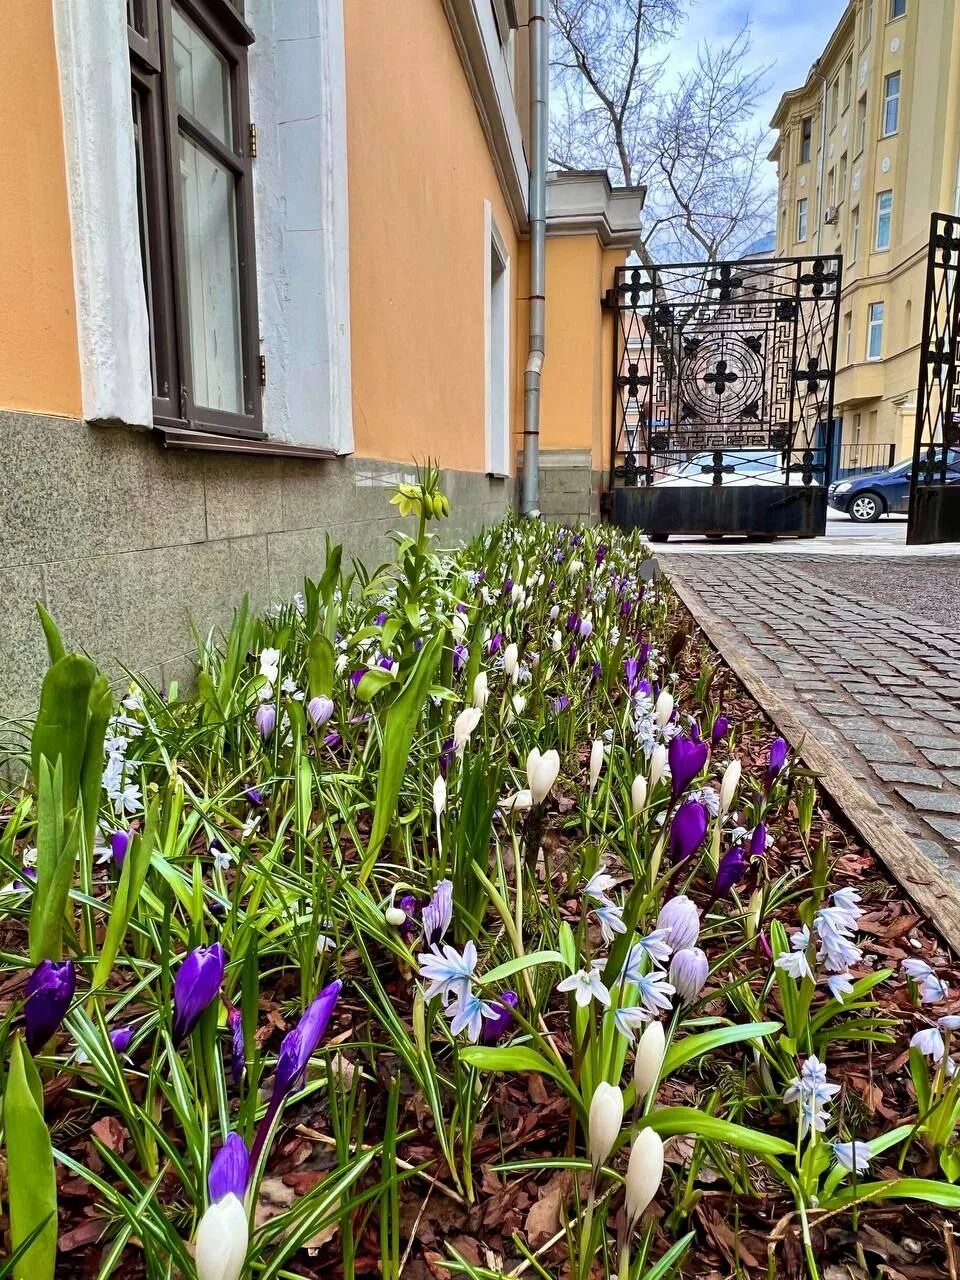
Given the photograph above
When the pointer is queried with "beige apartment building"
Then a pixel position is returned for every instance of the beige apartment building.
(866, 150)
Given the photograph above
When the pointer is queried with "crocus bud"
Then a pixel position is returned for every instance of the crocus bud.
(644, 1173)
(658, 765)
(120, 846)
(195, 987)
(596, 763)
(438, 913)
(439, 795)
(120, 1038)
(688, 830)
(688, 973)
(664, 708)
(222, 1237)
(266, 719)
(721, 727)
(681, 917)
(229, 1170)
(554, 612)
(493, 1029)
(519, 802)
(585, 628)
(603, 1125)
(556, 641)
(729, 784)
(776, 762)
(758, 841)
(687, 756)
(511, 659)
(464, 725)
(319, 710)
(731, 870)
(299, 1044)
(481, 690)
(651, 1048)
(638, 793)
(49, 991)
(542, 773)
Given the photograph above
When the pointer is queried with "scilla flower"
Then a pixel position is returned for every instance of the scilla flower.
(449, 971)
(586, 985)
(469, 1013)
(195, 987)
(49, 992)
(929, 1041)
(852, 1156)
(604, 1123)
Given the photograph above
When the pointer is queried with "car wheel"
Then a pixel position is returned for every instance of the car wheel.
(865, 508)
(656, 536)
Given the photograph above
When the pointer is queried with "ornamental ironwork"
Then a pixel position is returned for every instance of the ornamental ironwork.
(935, 480)
(724, 372)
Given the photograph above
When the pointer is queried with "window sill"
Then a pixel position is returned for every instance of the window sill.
(208, 442)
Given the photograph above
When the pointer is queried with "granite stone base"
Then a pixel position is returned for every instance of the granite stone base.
(128, 544)
(569, 487)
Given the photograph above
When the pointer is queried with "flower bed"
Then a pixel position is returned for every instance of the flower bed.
(468, 919)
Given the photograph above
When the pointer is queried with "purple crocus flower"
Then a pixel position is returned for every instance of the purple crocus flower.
(631, 671)
(560, 704)
(409, 906)
(195, 987)
(447, 753)
(602, 552)
(758, 841)
(626, 608)
(380, 619)
(688, 830)
(495, 644)
(721, 727)
(493, 1029)
(438, 913)
(572, 653)
(585, 629)
(238, 1055)
(386, 662)
(595, 672)
(357, 676)
(777, 759)
(687, 758)
(120, 1038)
(644, 654)
(573, 622)
(731, 870)
(120, 846)
(49, 991)
(460, 656)
(229, 1170)
(319, 710)
(266, 719)
(254, 797)
(332, 740)
(29, 875)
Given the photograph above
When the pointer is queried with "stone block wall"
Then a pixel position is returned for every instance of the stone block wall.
(127, 543)
(569, 487)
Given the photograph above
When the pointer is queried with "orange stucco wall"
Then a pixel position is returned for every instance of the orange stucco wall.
(419, 172)
(39, 364)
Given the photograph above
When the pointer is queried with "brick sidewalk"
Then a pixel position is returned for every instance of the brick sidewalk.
(877, 685)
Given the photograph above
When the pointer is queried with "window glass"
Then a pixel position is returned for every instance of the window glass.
(854, 234)
(806, 137)
(898, 8)
(203, 78)
(802, 219)
(875, 331)
(884, 219)
(891, 104)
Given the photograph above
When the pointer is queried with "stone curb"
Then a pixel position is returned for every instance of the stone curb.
(913, 871)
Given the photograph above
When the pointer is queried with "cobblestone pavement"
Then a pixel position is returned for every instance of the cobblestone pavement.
(876, 681)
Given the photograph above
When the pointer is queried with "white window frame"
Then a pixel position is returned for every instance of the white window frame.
(875, 319)
(854, 234)
(801, 223)
(881, 216)
(891, 101)
(496, 347)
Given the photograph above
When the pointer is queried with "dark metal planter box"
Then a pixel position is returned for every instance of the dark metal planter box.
(764, 509)
(935, 514)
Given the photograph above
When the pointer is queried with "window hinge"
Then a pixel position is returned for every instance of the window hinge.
(263, 371)
(253, 142)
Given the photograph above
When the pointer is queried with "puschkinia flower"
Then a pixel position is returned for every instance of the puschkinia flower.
(852, 1156)
(49, 992)
(630, 1019)
(930, 1043)
(687, 758)
(776, 761)
(449, 971)
(841, 985)
(586, 985)
(599, 884)
(195, 987)
(654, 991)
(794, 963)
(654, 949)
(468, 1013)
(610, 919)
(496, 1027)
(681, 920)
(438, 913)
(688, 830)
(811, 1091)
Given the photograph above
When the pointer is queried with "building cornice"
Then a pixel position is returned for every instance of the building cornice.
(584, 203)
(474, 27)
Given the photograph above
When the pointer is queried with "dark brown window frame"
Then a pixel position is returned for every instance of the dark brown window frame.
(161, 120)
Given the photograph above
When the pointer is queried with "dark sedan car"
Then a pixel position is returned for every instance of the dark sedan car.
(867, 498)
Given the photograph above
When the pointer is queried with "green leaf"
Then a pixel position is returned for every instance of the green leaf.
(942, 1194)
(31, 1181)
(510, 967)
(55, 648)
(61, 727)
(691, 1047)
(100, 704)
(320, 666)
(400, 724)
(671, 1121)
(510, 1058)
(132, 876)
(372, 681)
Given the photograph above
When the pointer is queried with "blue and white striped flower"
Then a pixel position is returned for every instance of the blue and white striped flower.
(794, 963)
(852, 1156)
(812, 1092)
(652, 950)
(841, 985)
(598, 886)
(448, 971)
(630, 1019)
(586, 985)
(654, 991)
(610, 918)
(930, 1043)
(467, 1013)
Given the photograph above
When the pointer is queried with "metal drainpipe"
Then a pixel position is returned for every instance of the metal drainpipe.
(539, 72)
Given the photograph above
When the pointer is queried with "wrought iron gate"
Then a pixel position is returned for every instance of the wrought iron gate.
(723, 395)
(935, 479)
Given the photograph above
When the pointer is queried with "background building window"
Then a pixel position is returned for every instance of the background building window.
(891, 104)
(847, 337)
(847, 81)
(897, 8)
(867, 20)
(806, 138)
(188, 61)
(842, 179)
(802, 219)
(861, 123)
(884, 220)
(875, 331)
(854, 233)
(497, 348)
(834, 103)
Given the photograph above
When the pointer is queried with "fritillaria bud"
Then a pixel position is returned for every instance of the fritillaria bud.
(604, 1123)
(651, 1048)
(644, 1174)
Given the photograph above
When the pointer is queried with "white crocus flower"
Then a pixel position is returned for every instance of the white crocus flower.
(222, 1237)
(556, 641)
(658, 765)
(649, 1059)
(728, 787)
(638, 794)
(481, 690)
(511, 659)
(519, 802)
(664, 708)
(458, 626)
(542, 771)
(439, 795)
(644, 1171)
(464, 725)
(596, 763)
(604, 1123)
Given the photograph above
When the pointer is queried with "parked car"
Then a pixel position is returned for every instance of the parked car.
(749, 466)
(867, 498)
